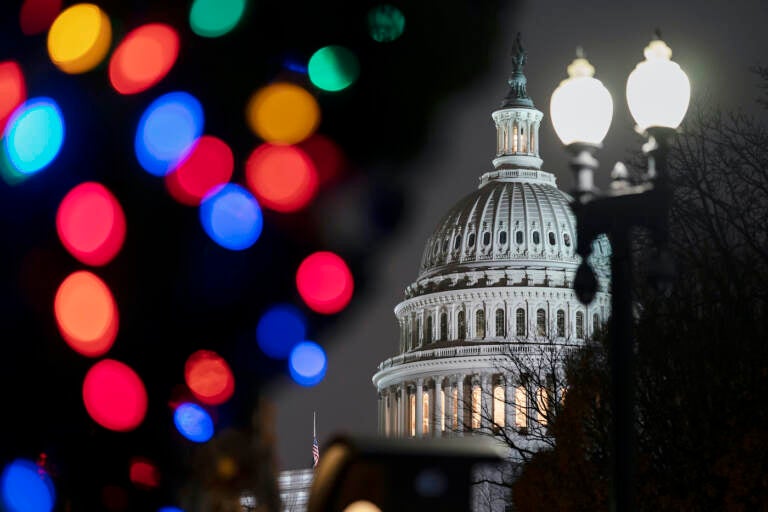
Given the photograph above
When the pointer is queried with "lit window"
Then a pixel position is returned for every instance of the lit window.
(441, 419)
(443, 326)
(457, 242)
(560, 323)
(519, 237)
(476, 392)
(412, 411)
(514, 139)
(480, 324)
(500, 330)
(462, 325)
(542, 406)
(520, 321)
(541, 322)
(503, 237)
(455, 406)
(521, 418)
(551, 238)
(425, 412)
(429, 329)
(536, 238)
(498, 406)
(579, 324)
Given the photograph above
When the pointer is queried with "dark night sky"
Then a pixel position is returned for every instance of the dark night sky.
(714, 42)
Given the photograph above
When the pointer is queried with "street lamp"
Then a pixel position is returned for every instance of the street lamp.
(658, 92)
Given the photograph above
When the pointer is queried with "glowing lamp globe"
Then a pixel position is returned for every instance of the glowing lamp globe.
(581, 107)
(658, 91)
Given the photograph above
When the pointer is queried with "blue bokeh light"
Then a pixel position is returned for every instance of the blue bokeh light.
(231, 216)
(168, 131)
(307, 363)
(33, 136)
(25, 487)
(193, 422)
(170, 509)
(280, 328)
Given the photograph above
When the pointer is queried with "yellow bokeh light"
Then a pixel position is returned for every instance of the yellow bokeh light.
(79, 38)
(283, 113)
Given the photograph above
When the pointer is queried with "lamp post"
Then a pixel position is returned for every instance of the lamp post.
(658, 92)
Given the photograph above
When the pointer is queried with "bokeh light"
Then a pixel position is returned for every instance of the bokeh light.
(33, 137)
(208, 165)
(36, 16)
(143, 473)
(25, 487)
(283, 113)
(231, 216)
(91, 224)
(214, 18)
(307, 363)
(79, 38)
(385, 23)
(324, 282)
(114, 396)
(170, 509)
(13, 91)
(168, 131)
(86, 314)
(333, 68)
(279, 329)
(209, 377)
(326, 155)
(193, 422)
(143, 58)
(283, 178)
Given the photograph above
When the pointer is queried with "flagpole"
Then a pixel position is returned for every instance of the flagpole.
(314, 424)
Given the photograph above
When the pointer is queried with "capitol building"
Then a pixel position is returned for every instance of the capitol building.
(493, 298)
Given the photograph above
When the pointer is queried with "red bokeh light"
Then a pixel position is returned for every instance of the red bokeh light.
(326, 155)
(13, 91)
(143, 473)
(210, 164)
(36, 16)
(143, 58)
(86, 314)
(325, 282)
(114, 396)
(91, 224)
(209, 377)
(283, 178)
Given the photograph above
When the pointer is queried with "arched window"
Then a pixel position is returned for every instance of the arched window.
(579, 324)
(567, 239)
(476, 392)
(471, 240)
(520, 322)
(595, 323)
(536, 238)
(498, 406)
(486, 238)
(480, 324)
(519, 237)
(443, 326)
(551, 238)
(561, 323)
(541, 322)
(500, 330)
(503, 237)
(462, 321)
(457, 242)
(428, 336)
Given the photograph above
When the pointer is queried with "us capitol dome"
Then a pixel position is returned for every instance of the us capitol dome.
(495, 280)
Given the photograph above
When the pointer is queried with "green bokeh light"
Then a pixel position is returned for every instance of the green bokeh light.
(385, 23)
(333, 68)
(214, 18)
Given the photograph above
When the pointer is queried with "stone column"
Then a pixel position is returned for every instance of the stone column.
(403, 395)
(419, 407)
(509, 403)
(449, 408)
(486, 405)
(380, 420)
(439, 412)
(460, 400)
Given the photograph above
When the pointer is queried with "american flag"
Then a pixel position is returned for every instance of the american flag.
(315, 453)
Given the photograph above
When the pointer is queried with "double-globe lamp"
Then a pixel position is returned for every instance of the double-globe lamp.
(581, 108)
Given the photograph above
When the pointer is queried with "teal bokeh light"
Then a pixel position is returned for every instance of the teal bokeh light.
(214, 18)
(385, 23)
(333, 68)
(33, 138)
